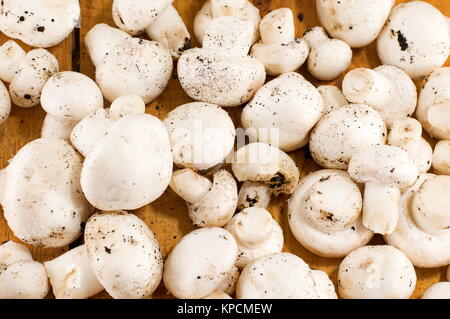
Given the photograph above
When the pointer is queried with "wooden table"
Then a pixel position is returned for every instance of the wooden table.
(167, 217)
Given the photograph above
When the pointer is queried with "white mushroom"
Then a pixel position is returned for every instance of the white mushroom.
(279, 50)
(20, 276)
(32, 74)
(210, 204)
(11, 56)
(280, 276)
(376, 272)
(339, 134)
(42, 201)
(441, 157)
(328, 58)
(324, 286)
(433, 108)
(114, 178)
(126, 105)
(415, 38)
(423, 232)
(200, 262)
(54, 128)
(333, 98)
(357, 22)
(385, 170)
(260, 162)
(5, 103)
(124, 254)
(406, 133)
(39, 23)
(253, 194)
(440, 290)
(201, 135)
(325, 214)
(257, 234)
(70, 96)
(241, 9)
(229, 283)
(388, 89)
(283, 112)
(71, 275)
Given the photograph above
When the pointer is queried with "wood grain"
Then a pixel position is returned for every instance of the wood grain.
(167, 217)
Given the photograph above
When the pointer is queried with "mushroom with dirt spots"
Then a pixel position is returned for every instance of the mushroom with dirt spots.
(11, 56)
(54, 128)
(333, 98)
(325, 214)
(253, 194)
(441, 157)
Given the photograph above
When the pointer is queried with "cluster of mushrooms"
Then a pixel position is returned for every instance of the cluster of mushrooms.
(92, 165)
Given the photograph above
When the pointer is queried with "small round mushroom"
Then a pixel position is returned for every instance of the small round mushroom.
(201, 135)
(433, 108)
(5, 103)
(280, 276)
(210, 204)
(339, 134)
(283, 112)
(126, 105)
(440, 290)
(135, 66)
(11, 56)
(357, 22)
(253, 194)
(423, 232)
(328, 58)
(376, 272)
(21, 277)
(406, 133)
(70, 96)
(385, 170)
(114, 178)
(257, 234)
(43, 202)
(71, 275)
(333, 98)
(325, 215)
(241, 9)
(39, 23)
(34, 71)
(54, 128)
(415, 38)
(279, 50)
(261, 162)
(200, 262)
(388, 89)
(124, 254)
(441, 158)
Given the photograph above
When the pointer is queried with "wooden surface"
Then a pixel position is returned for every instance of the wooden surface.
(167, 217)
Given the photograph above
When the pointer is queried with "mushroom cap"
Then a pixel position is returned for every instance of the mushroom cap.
(34, 71)
(277, 276)
(201, 135)
(324, 286)
(324, 214)
(283, 112)
(124, 254)
(43, 203)
(261, 162)
(256, 233)
(356, 22)
(376, 272)
(126, 105)
(217, 207)
(383, 164)
(340, 133)
(441, 157)
(5, 103)
(189, 185)
(54, 128)
(415, 38)
(133, 16)
(277, 27)
(71, 275)
(253, 194)
(200, 262)
(333, 98)
(433, 108)
(11, 252)
(218, 78)
(135, 66)
(114, 178)
(427, 250)
(440, 290)
(39, 23)
(11, 56)
(70, 96)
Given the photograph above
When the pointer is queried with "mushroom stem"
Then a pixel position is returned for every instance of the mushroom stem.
(189, 185)
(381, 207)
